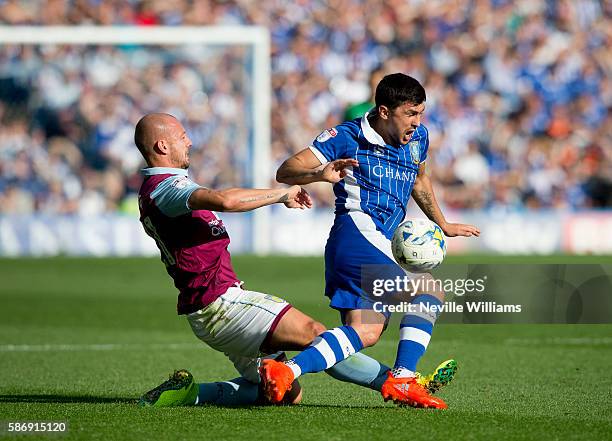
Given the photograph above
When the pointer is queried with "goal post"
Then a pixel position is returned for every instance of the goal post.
(255, 36)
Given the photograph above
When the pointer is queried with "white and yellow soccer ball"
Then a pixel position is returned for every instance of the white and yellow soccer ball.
(418, 245)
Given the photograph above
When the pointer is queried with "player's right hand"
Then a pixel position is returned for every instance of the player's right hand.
(297, 197)
(335, 171)
(454, 230)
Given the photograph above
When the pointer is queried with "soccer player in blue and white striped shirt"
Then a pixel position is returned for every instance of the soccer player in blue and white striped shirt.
(375, 164)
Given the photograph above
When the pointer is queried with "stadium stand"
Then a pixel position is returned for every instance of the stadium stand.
(518, 100)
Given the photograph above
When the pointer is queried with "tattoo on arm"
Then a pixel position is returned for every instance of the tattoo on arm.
(302, 174)
(284, 198)
(246, 200)
(257, 198)
(426, 202)
(306, 174)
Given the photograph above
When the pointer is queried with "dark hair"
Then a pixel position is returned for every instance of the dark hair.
(397, 89)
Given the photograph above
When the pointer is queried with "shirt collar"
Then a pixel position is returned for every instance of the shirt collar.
(163, 171)
(369, 133)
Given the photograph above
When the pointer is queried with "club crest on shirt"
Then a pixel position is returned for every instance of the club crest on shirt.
(415, 152)
(327, 134)
(180, 183)
(379, 151)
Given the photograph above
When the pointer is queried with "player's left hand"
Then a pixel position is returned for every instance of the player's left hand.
(298, 198)
(453, 230)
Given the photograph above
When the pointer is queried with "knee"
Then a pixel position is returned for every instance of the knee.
(438, 294)
(312, 330)
(369, 335)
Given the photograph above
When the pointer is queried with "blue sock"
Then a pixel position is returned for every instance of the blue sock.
(415, 333)
(236, 392)
(361, 370)
(326, 350)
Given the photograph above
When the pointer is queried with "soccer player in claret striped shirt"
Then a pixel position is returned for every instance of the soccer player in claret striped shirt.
(192, 240)
(375, 164)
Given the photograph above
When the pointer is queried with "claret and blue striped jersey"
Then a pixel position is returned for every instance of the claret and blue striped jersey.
(380, 186)
(192, 243)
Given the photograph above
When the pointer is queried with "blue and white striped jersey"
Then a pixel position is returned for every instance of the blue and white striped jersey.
(381, 185)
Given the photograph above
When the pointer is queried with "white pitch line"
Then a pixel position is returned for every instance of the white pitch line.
(97, 347)
(570, 341)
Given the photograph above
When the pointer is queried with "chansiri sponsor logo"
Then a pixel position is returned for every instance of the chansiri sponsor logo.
(386, 172)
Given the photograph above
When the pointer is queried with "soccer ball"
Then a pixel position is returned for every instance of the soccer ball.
(418, 245)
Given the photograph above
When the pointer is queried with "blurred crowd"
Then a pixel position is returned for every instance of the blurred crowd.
(68, 116)
(518, 95)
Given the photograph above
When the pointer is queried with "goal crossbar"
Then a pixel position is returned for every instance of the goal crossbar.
(257, 36)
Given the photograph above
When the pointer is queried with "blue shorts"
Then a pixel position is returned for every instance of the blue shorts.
(354, 248)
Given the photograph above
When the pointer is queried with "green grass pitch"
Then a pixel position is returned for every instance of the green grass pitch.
(81, 339)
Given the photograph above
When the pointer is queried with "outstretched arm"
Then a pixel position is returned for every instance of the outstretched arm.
(424, 196)
(246, 199)
(304, 168)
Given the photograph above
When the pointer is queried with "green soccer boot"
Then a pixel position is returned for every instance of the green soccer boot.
(178, 390)
(440, 377)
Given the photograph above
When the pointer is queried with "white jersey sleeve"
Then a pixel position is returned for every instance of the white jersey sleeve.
(171, 196)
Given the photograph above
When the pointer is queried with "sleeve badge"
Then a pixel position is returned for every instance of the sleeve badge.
(180, 183)
(327, 134)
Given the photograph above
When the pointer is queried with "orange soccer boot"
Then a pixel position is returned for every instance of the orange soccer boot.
(276, 378)
(409, 392)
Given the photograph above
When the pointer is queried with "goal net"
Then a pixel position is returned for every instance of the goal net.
(69, 99)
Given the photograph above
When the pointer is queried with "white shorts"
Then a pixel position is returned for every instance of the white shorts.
(237, 323)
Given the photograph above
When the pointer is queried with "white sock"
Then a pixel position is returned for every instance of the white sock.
(295, 368)
(401, 372)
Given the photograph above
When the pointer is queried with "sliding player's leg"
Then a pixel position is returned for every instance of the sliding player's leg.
(245, 390)
(327, 349)
(181, 389)
(362, 328)
(178, 390)
(236, 392)
(293, 331)
(245, 325)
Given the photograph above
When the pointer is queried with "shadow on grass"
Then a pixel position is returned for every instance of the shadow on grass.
(53, 398)
(88, 399)
(351, 406)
